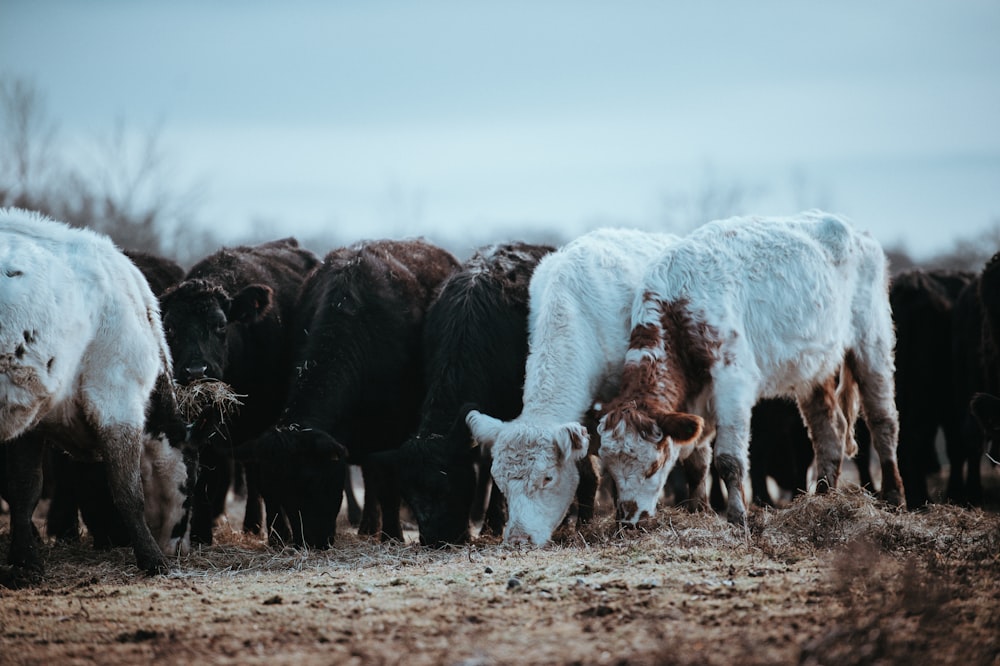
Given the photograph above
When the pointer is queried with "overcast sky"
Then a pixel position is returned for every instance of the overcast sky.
(456, 119)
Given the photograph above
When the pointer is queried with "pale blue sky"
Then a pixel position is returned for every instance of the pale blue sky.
(469, 120)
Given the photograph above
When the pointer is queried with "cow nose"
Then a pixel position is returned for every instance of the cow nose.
(517, 537)
(195, 371)
(626, 512)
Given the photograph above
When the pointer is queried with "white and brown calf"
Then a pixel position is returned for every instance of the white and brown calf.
(578, 328)
(744, 309)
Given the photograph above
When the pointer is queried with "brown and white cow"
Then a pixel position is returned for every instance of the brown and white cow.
(740, 310)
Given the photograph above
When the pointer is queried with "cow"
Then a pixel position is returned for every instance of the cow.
(975, 378)
(160, 272)
(81, 350)
(579, 300)
(228, 320)
(79, 487)
(475, 342)
(356, 389)
(922, 303)
(985, 406)
(743, 309)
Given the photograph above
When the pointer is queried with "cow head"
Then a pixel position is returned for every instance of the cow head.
(639, 448)
(199, 319)
(168, 478)
(302, 474)
(535, 468)
(437, 479)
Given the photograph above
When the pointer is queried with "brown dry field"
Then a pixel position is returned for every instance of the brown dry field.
(835, 579)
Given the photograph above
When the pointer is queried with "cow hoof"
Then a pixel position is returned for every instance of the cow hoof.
(15, 578)
(157, 567)
(738, 519)
(895, 499)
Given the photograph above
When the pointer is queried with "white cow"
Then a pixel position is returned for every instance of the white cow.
(744, 309)
(578, 328)
(81, 348)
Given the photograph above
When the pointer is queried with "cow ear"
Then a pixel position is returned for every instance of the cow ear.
(986, 409)
(681, 428)
(571, 441)
(485, 429)
(252, 304)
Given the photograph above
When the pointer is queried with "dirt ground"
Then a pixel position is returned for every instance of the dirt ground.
(834, 579)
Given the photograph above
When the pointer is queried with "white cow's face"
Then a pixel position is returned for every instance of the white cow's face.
(165, 485)
(639, 452)
(535, 468)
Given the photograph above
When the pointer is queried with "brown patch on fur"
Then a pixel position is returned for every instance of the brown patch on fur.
(655, 467)
(691, 348)
(644, 336)
(627, 509)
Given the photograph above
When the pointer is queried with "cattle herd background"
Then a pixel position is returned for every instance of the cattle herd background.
(654, 407)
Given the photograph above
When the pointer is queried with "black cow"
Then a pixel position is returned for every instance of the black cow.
(475, 344)
(357, 385)
(160, 272)
(986, 407)
(922, 305)
(227, 320)
(971, 376)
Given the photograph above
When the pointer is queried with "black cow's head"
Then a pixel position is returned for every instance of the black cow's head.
(437, 479)
(302, 474)
(200, 318)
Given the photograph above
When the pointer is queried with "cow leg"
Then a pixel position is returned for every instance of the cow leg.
(496, 511)
(695, 468)
(253, 516)
(353, 508)
(731, 460)
(586, 489)
(122, 448)
(879, 407)
(214, 477)
(63, 519)
(386, 492)
(827, 430)
(371, 519)
(483, 491)
(863, 458)
(24, 488)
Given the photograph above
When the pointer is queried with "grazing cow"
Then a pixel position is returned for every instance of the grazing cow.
(971, 376)
(922, 304)
(577, 338)
(986, 407)
(475, 344)
(81, 349)
(976, 375)
(228, 320)
(743, 309)
(357, 385)
(80, 487)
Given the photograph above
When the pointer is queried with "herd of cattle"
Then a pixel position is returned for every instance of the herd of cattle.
(745, 350)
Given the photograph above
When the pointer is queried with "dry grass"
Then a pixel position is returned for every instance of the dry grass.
(834, 579)
(199, 396)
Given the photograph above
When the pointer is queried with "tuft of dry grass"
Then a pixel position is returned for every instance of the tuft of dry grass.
(196, 398)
